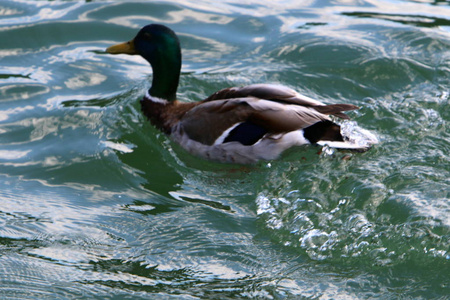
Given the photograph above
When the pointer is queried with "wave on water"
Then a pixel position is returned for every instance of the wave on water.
(340, 231)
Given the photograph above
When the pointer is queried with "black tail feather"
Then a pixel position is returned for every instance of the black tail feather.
(323, 131)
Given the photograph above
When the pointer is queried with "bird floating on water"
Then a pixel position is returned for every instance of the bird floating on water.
(236, 124)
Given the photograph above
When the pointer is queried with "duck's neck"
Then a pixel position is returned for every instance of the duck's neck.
(166, 75)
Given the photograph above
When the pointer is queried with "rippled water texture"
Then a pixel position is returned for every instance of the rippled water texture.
(96, 203)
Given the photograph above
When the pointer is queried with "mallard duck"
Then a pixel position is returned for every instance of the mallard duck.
(236, 124)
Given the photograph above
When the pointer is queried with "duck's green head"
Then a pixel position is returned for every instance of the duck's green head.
(160, 46)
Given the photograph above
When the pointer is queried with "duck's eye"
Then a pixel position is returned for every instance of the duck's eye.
(148, 36)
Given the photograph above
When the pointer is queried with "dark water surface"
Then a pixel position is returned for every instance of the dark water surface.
(96, 203)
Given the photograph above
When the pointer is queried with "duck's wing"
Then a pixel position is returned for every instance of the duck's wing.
(273, 92)
(281, 94)
(245, 120)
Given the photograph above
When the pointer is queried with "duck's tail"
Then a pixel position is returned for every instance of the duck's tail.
(353, 138)
(346, 145)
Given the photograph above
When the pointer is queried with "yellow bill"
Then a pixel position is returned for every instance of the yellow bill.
(122, 48)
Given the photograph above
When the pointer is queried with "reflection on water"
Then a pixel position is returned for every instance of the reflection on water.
(416, 20)
(96, 203)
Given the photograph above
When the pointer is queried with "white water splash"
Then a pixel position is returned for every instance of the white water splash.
(358, 136)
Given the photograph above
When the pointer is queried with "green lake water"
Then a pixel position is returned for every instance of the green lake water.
(97, 203)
